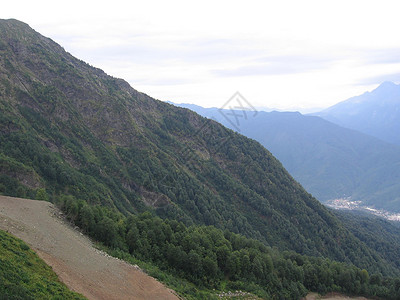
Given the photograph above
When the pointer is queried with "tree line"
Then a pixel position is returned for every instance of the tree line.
(211, 258)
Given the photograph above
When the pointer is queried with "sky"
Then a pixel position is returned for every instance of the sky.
(288, 55)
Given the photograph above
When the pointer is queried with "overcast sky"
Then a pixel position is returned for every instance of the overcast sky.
(281, 54)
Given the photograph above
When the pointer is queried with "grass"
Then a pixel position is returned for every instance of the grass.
(23, 275)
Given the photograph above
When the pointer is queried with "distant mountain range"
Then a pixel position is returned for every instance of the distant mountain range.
(330, 161)
(376, 113)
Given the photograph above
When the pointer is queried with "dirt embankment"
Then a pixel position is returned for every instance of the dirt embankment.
(72, 256)
(331, 296)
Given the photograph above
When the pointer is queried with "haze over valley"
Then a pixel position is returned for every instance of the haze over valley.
(344, 166)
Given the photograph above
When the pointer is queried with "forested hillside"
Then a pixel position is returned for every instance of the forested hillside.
(375, 232)
(71, 134)
(330, 161)
(215, 260)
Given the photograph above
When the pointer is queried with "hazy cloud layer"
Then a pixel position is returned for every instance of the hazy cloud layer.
(277, 65)
(382, 56)
(394, 77)
(280, 54)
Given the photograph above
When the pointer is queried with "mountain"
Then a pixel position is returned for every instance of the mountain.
(70, 129)
(330, 161)
(105, 153)
(376, 113)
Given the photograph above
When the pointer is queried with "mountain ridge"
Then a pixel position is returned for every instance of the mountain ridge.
(92, 142)
(330, 161)
(376, 113)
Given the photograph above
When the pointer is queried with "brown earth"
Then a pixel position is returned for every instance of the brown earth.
(72, 256)
(331, 296)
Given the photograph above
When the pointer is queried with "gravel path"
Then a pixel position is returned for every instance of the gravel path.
(72, 256)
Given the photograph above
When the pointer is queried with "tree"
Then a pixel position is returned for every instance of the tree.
(41, 195)
(376, 279)
(106, 231)
(86, 219)
(210, 267)
(364, 276)
(194, 265)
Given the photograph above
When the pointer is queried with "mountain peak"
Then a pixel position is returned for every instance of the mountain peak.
(376, 113)
(13, 24)
(387, 85)
(12, 21)
(387, 92)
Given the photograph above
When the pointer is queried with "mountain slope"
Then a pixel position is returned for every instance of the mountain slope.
(376, 113)
(328, 160)
(73, 257)
(68, 129)
(270, 273)
(23, 275)
(377, 233)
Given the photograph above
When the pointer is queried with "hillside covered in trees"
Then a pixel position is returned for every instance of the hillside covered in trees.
(330, 161)
(71, 134)
(214, 260)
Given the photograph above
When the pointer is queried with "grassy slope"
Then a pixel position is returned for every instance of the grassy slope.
(23, 275)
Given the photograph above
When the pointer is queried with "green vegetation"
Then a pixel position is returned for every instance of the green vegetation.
(330, 161)
(23, 275)
(202, 259)
(68, 131)
(82, 133)
(375, 232)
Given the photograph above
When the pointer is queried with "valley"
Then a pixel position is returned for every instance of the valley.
(328, 159)
(348, 204)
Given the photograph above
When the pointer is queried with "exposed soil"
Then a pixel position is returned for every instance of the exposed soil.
(72, 256)
(331, 296)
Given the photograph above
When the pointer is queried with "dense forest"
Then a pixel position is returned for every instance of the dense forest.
(376, 232)
(213, 259)
(23, 275)
(156, 182)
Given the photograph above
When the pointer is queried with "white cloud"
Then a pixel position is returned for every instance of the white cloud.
(276, 53)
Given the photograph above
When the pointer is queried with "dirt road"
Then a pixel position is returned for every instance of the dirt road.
(72, 256)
